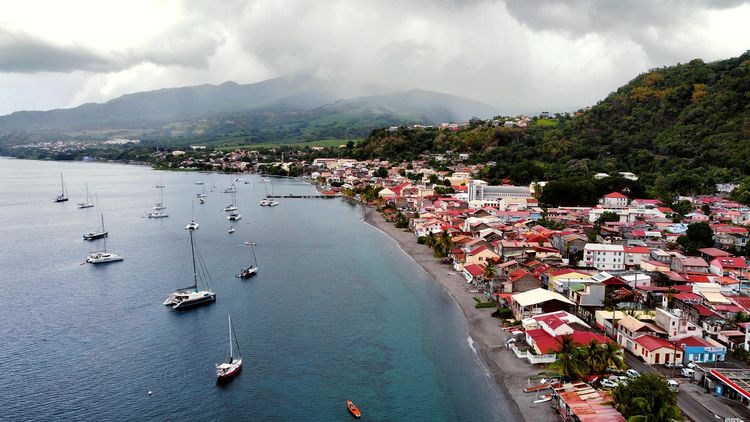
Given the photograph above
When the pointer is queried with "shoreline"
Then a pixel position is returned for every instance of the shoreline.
(509, 373)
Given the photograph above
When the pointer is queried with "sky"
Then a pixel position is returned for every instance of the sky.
(519, 56)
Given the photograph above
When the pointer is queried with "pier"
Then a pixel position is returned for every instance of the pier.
(290, 196)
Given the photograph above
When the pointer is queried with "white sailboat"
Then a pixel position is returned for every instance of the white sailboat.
(190, 296)
(103, 257)
(159, 209)
(63, 196)
(87, 203)
(233, 365)
(250, 271)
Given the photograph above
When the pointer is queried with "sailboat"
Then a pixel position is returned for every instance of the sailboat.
(190, 296)
(233, 206)
(159, 208)
(96, 234)
(253, 268)
(202, 194)
(227, 370)
(63, 196)
(87, 203)
(103, 257)
(192, 225)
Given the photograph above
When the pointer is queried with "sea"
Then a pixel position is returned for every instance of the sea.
(337, 311)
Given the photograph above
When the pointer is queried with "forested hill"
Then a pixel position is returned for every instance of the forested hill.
(681, 129)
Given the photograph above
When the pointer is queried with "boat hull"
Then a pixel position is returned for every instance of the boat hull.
(228, 375)
(94, 236)
(61, 199)
(353, 410)
(192, 303)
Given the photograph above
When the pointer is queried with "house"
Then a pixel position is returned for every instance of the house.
(630, 328)
(538, 301)
(473, 272)
(656, 350)
(634, 255)
(726, 265)
(480, 255)
(689, 264)
(520, 280)
(696, 349)
(560, 280)
(675, 325)
(604, 257)
(614, 200)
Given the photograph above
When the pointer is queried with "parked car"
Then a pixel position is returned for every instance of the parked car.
(673, 385)
(691, 365)
(673, 365)
(622, 380)
(632, 373)
(687, 372)
(607, 383)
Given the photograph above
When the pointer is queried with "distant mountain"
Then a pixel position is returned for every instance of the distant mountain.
(281, 109)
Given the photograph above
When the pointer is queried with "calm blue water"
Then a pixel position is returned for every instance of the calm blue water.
(336, 311)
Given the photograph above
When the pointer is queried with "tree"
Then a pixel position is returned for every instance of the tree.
(698, 235)
(607, 216)
(401, 221)
(647, 398)
(381, 172)
(569, 363)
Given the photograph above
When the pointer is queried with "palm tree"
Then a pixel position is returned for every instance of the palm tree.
(489, 274)
(570, 363)
(430, 241)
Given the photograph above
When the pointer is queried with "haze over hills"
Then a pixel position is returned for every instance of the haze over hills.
(281, 109)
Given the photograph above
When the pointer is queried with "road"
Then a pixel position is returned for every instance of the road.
(689, 406)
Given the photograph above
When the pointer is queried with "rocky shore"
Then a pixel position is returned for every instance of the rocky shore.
(510, 373)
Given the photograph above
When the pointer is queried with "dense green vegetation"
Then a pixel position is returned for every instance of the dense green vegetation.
(647, 398)
(681, 129)
(574, 363)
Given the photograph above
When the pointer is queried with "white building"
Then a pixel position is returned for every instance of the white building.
(614, 200)
(479, 190)
(604, 257)
(676, 325)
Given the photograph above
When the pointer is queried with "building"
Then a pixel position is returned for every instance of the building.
(630, 328)
(479, 190)
(676, 326)
(604, 257)
(538, 301)
(696, 349)
(656, 350)
(614, 200)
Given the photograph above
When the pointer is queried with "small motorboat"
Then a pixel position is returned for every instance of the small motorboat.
(231, 230)
(248, 243)
(353, 409)
(543, 398)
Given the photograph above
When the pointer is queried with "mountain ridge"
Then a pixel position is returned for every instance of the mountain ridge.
(283, 98)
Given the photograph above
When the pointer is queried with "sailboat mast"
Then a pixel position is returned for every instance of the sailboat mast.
(195, 271)
(105, 238)
(62, 185)
(231, 352)
(255, 260)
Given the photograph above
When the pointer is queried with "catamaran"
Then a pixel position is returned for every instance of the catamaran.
(227, 370)
(63, 196)
(190, 296)
(87, 203)
(159, 209)
(192, 225)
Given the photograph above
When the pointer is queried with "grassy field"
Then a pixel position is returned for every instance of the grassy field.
(547, 122)
(320, 143)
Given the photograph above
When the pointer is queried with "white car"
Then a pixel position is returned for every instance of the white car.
(607, 383)
(632, 373)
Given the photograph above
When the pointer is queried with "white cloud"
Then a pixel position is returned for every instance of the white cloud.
(516, 55)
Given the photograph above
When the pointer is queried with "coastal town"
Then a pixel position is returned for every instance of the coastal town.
(667, 290)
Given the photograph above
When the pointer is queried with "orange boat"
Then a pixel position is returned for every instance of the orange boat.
(353, 409)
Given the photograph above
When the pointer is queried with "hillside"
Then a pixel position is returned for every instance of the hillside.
(680, 128)
(281, 109)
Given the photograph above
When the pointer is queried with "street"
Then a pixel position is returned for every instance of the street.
(690, 407)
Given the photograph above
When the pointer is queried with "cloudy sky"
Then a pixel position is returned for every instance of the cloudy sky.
(516, 55)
